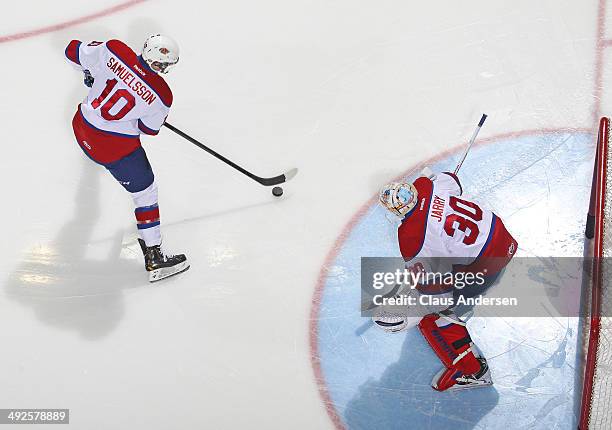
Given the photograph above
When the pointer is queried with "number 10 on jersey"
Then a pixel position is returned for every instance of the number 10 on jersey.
(121, 93)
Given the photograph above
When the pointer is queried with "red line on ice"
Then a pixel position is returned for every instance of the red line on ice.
(71, 23)
(346, 231)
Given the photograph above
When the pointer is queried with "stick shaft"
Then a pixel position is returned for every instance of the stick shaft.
(210, 151)
(472, 140)
(263, 181)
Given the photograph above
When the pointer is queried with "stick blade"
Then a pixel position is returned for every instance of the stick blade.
(290, 174)
(276, 180)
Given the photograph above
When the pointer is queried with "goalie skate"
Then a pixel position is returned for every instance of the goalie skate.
(482, 378)
(161, 265)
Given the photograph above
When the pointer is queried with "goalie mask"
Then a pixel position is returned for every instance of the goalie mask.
(399, 198)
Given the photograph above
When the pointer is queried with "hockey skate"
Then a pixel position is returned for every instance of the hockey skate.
(161, 265)
(482, 378)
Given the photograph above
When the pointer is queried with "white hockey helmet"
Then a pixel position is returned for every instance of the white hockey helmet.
(160, 53)
(398, 197)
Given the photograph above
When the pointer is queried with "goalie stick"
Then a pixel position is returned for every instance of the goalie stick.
(275, 180)
(465, 153)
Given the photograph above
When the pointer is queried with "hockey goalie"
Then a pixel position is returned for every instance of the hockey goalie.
(438, 224)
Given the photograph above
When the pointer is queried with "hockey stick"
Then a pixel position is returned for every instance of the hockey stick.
(263, 181)
(478, 127)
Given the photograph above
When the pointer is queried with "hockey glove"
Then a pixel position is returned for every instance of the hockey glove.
(88, 80)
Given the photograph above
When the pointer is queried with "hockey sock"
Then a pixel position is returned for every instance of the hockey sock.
(147, 215)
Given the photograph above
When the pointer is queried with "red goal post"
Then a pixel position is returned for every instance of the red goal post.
(595, 386)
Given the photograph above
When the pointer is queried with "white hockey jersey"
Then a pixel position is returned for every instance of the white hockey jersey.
(443, 224)
(127, 98)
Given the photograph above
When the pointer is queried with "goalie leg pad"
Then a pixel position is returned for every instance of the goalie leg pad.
(450, 340)
(448, 337)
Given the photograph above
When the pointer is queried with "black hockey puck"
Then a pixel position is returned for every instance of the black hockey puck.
(277, 191)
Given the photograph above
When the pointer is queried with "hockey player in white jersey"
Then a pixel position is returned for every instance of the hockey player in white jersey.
(128, 97)
(438, 225)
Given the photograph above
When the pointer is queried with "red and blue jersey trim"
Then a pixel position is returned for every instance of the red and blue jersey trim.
(486, 244)
(147, 130)
(146, 65)
(157, 84)
(113, 133)
(411, 233)
(72, 51)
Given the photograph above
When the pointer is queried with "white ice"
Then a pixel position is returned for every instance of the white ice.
(350, 92)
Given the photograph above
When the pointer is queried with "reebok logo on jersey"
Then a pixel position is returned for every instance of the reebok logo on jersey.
(139, 70)
(86, 144)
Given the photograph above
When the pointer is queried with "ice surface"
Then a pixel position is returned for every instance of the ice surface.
(352, 93)
(377, 378)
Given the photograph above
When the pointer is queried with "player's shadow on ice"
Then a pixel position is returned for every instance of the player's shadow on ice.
(402, 397)
(65, 287)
